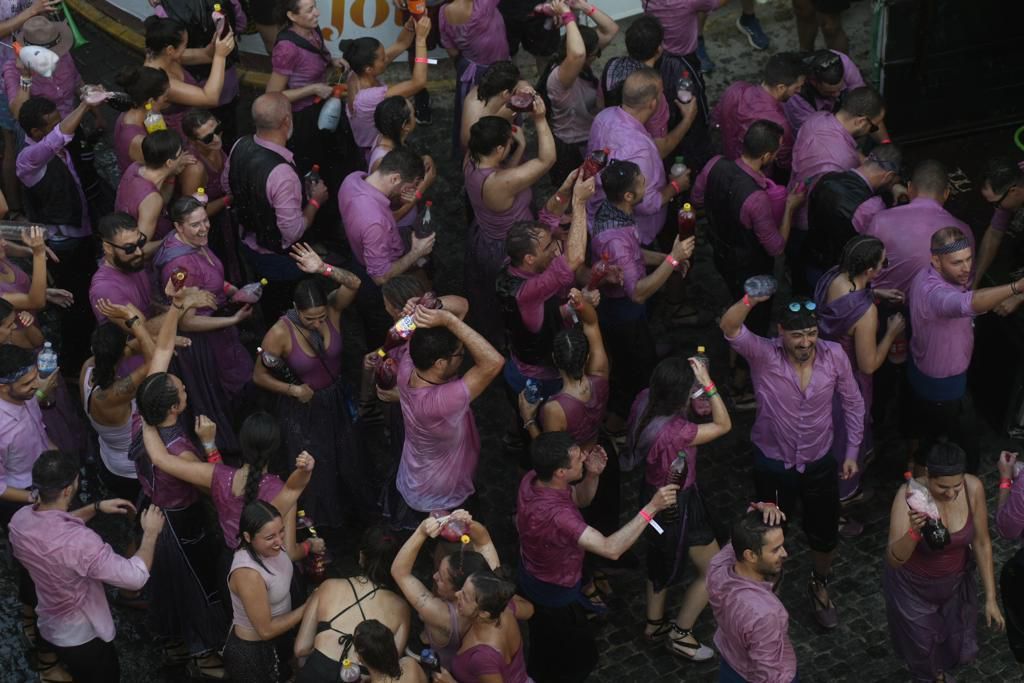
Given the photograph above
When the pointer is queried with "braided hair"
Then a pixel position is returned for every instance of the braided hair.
(155, 398)
(260, 438)
(669, 392)
(860, 254)
(108, 341)
(570, 351)
(389, 117)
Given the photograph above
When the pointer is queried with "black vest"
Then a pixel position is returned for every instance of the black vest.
(55, 198)
(737, 250)
(251, 165)
(830, 209)
(529, 347)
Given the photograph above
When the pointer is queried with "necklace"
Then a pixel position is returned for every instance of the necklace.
(436, 384)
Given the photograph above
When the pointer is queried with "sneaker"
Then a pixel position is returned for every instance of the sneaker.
(424, 116)
(706, 65)
(751, 28)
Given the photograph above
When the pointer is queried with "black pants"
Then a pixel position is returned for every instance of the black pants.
(1011, 585)
(817, 489)
(92, 662)
(562, 645)
(569, 156)
(630, 347)
(74, 273)
(951, 420)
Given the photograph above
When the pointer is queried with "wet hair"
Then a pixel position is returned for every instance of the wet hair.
(486, 135)
(464, 563)
(550, 451)
(887, 157)
(33, 113)
(389, 117)
(1001, 172)
(259, 439)
(111, 225)
(375, 644)
(801, 319)
(522, 239)
(401, 288)
(379, 546)
(618, 178)
(492, 593)
(403, 161)
(748, 533)
(429, 345)
(669, 392)
(52, 473)
(570, 350)
(160, 147)
(14, 358)
(155, 397)
(930, 176)
(763, 137)
(861, 253)
(783, 68)
(194, 120)
(640, 87)
(824, 66)
(308, 295)
(360, 53)
(946, 459)
(107, 344)
(143, 83)
(182, 208)
(162, 33)
(255, 516)
(501, 76)
(643, 37)
(863, 101)
(944, 236)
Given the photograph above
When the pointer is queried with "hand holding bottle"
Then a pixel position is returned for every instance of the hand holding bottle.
(683, 249)
(206, 429)
(664, 498)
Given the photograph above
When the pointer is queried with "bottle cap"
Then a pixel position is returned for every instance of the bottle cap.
(216, 7)
(686, 73)
(315, 168)
(346, 663)
(464, 539)
(700, 349)
(679, 159)
(382, 353)
(687, 207)
(301, 513)
(200, 190)
(263, 281)
(149, 106)
(429, 203)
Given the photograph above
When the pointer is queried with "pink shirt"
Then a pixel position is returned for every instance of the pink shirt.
(124, 133)
(550, 526)
(369, 225)
(739, 107)
(69, 563)
(480, 40)
(942, 318)
(822, 145)
(61, 88)
(680, 21)
(22, 440)
(798, 109)
(229, 506)
(442, 446)
(756, 212)
(301, 66)
(622, 245)
(753, 625)
(361, 109)
(135, 189)
(572, 108)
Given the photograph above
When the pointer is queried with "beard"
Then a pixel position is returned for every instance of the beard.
(131, 264)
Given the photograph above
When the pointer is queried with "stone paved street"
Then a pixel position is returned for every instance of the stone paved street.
(858, 650)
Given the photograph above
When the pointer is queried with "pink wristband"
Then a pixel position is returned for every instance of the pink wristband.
(676, 186)
(315, 203)
(591, 11)
(646, 516)
(568, 18)
(746, 301)
(422, 60)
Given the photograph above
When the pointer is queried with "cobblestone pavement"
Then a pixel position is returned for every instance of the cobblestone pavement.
(858, 650)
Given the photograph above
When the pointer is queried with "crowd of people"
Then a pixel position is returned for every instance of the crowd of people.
(233, 441)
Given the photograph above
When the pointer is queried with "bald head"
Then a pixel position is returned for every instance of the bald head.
(640, 88)
(270, 110)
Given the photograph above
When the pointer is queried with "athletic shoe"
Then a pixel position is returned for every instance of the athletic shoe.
(751, 28)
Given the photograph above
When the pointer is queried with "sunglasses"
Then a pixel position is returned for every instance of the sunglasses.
(795, 306)
(207, 139)
(129, 249)
(998, 203)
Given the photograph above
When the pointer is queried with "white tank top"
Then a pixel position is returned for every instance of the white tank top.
(114, 441)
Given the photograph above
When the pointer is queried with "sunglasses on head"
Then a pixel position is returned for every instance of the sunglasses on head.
(795, 306)
(207, 139)
(129, 249)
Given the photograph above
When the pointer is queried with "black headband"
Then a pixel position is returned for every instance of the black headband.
(955, 246)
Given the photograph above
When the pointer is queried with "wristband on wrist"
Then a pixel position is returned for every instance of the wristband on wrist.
(308, 547)
(227, 287)
(327, 270)
(33, 496)
(227, 201)
(650, 520)
(422, 60)
(676, 186)
(315, 203)
(24, 82)
(40, 395)
(591, 11)
(747, 302)
(1013, 288)
(1005, 483)
(914, 534)
(96, 506)
(643, 513)
(568, 18)
(708, 388)
(209, 446)
(532, 421)
(669, 258)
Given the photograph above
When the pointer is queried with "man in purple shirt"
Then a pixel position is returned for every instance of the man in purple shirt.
(795, 379)
(553, 538)
(744, 103)
(942, 312)
(364, 201)
(621, 130)
(269, 200)
(753, 624)
(69, 563)
(1003, 188)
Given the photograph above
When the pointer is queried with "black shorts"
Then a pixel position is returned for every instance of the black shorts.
(529, 32)
(817, 489)
(831, 6)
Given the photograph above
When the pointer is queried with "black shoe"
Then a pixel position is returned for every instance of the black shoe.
(424, 117)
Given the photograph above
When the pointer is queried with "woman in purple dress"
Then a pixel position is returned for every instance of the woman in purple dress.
(847, 314)
(931, 598)
(140, 193)
(492, 648)
(215, 366)
(145, 86)
(301, 363)
(660, 434)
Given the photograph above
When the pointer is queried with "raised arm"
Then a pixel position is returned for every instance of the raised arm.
(597, 362)
(737, 314)
(510, 181)
(430, 608)
(208, 95)
(182, 300)
(487, 362)
(721, 423)
(419, 68)
(196, 473)
(576, 244)
(575, 51)
(612, 547)
(310, 262)
(123, 389)
(297, 482)
(35, 300)
(607, 29)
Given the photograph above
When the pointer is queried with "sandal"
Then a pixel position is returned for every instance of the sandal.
(29, 634)
(594, 601)
(50, 670)
(207, 667)
(661, 627)
(175, 652)
(695, 652)
(826, 615)
(600, 580)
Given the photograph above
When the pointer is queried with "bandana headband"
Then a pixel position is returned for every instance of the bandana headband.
(958, 245)
(16, 375)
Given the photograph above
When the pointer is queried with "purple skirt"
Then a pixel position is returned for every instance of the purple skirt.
(932, 621)
(66, 424)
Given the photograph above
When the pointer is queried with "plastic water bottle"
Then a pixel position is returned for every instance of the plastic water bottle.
(250, 293)
(330, 113)
(684, 88)
(219, 20)
(154, 120)
(678, 168)
(532, 391)
(424, 229)
(760, 285)
(119, 101)
(349, 672)
(311, 178)
(385, 375)
(702, 404)
(200, 196)
(46, 362)
(430, 663)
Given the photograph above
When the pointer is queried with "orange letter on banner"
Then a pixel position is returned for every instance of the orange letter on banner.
(338, 15)
(380, 15)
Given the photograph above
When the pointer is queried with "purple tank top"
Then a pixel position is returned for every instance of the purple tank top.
(446, 651)
(950, 560)
(13, 280)
(132, 189)
(213, 187)
(229, 506)
(165, 490)
(494, 224)
(124, 133)
(319, 372)
(583, 420)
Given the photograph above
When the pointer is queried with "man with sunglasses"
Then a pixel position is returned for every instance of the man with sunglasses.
(796, 376)
(1003, 188)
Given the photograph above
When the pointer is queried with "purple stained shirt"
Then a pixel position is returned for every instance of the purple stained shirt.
(369, 225)
(22, 440)
(30, 167)
(120, 287)
(406, 222)
(572, 109)
(753, 624)
(798, 110)
(229, 506)
(739, 107)
(1010, 517)
(124, 133)
(132, 191)
(61, 88)
(302, 67)
(942, 318)
(494, 224)
(204, 269)
(550, 526)
(681, 22)
(907, 232)
(69, 563)
(794, 425)
(481, 40)
(555, 281)
(822, 145)
(442, 446)
(622, 245)
(628, 140)
(755, 214)
(165, 491)
(361, 110)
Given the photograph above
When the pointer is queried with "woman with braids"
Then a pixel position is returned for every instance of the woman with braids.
(492, 648)
(490, 96)
(184, 608)
(659, 434)
(847, 314)
(259, 644)
(374, 645)
(339, 605)
(144, 85)
(305, 346)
